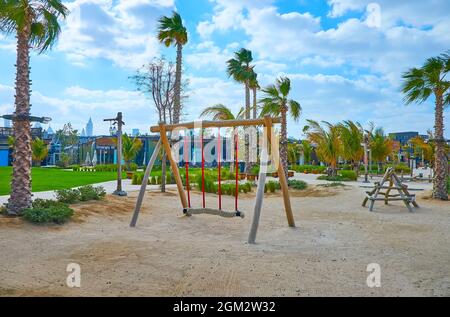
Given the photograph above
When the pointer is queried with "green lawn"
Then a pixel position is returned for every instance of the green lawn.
(51, 179)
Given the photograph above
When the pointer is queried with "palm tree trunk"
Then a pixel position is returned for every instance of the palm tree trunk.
(177, 92)
(20, 198)
(439, 181)
(283, 143)
(247, 116)
(255, 112)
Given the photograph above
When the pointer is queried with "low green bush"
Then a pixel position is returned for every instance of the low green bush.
(315, 169)
(333, 184)
(349, 175)
(448, 185)
(48, 211)
(297, 184)
(68, 196)
(337, 178)
(90, 192)
(272, 186)
(83, 193)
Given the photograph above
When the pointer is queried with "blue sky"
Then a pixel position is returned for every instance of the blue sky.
(344, 58)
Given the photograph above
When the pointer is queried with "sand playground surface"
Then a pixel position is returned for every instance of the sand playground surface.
(168, 254)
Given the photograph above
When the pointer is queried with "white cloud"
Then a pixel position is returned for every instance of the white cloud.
(207, 56)
(415, 13)
(228, 14)
(122, 32)
(208, 91)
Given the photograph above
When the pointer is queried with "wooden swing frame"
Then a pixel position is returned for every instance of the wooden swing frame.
(268, 136)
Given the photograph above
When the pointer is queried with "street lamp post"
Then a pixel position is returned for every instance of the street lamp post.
(118, 120)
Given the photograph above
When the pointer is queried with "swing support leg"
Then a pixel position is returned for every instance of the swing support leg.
(259, 200)
(148, 170)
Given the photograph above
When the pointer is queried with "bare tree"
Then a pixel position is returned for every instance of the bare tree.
(157, 79)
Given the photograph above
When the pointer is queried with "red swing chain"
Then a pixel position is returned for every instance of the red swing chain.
(219, 155)
(203, 170)
(237, 172)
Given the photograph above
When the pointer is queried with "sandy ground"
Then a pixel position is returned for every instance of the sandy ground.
(168, 254)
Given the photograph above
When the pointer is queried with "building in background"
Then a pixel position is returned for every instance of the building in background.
(90, 128)
(7, 123)
(5, 150)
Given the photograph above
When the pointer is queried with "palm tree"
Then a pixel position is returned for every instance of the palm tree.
(171, 31)
(35, 24)
(294, 150)
(328, 143)
(39, 151)
(130, 148)
(380, 146)
(240, 69)
(352, 136)
(222, 112)
(418, 85)
(276, 102)
(254, 86)
(306, 150)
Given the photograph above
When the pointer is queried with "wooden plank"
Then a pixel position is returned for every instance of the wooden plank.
(282, 179)
(261, 184)
(173, 165)
(215, 212)
(391, 199)
(401, 192)
(216, 124)
(406, 190)
(148, 170)
(378, 188)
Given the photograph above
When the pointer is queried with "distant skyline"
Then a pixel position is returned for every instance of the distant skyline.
(344, 59)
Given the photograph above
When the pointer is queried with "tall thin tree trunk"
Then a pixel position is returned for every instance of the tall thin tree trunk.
(255, 110)
(439, 181)
(177, 88)
(283, 143)
(247, 116)
(21, 178)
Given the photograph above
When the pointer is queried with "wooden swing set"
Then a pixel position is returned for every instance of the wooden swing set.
(268, 137)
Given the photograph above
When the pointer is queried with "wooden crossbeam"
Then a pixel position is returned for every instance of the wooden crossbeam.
(214, 124)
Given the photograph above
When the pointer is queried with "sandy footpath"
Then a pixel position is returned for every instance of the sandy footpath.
(169, 254)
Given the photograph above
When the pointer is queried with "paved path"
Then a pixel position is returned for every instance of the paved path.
(110, 187)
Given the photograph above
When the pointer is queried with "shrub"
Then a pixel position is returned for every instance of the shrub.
(83, 193)
(448, 185)
(297, 184)
(48, 211)
(133, 167)
(2, 210)
(332, 184)
(246, 187)
(135, 179)
(68, 196)
(316, 169)
(272, 186)
(348, 175)
(153, 180)
(90, 192)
